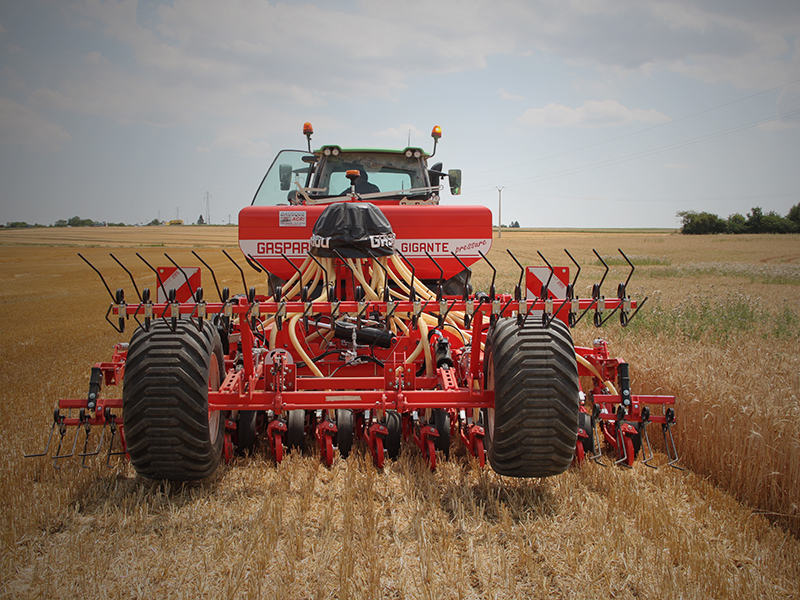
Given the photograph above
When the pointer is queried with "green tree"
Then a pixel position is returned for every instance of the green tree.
(754, 220)
(695, 223)
(794, 215)
(737, 223)
(200, 220)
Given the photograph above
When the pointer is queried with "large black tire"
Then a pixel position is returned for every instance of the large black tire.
(169, 431)
(532, 429)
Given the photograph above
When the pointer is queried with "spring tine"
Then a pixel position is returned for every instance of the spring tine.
(550, 278)
(578, 272)
(641, 304)
(111, 446)
(647, 459)
(47, 445)
(494, 276)
(468, 278)
(84, 454)
(249, 260)
(133, 281)
(158, 276)
(235, 264)
(603, 278)
(72, 452)
(631, 265)
(376, 261)
(598, 453)
(213, 276)
(611, 314)
(412, 293)
(84, 259)
(189, 285)
(666, 428)
(327, 279)
(110, 322)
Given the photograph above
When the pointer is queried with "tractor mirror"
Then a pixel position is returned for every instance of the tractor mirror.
(285, 173)
(454, 175)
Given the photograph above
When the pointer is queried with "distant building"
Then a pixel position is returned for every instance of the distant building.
(176, 222)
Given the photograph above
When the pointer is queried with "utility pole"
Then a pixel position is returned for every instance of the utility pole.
(500, 211)
(208, 209)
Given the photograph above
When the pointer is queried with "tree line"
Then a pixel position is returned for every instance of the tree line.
(698, 223)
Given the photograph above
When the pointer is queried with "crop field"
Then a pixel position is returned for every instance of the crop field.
(720, 330)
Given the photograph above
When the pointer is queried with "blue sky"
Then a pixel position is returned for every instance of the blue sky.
(588, 113)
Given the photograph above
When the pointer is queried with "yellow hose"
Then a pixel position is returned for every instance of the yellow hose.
(596, 373)
(300, 351)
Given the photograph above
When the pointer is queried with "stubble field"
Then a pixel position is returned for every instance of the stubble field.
(720, 331)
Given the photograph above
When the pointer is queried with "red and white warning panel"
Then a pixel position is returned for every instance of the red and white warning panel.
(536, 277)
(172, 277)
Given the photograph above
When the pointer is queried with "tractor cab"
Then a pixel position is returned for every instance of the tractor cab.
(384, 177)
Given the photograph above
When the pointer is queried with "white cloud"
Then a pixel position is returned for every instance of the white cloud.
(504, 95)
(20, 124)
(592, 113)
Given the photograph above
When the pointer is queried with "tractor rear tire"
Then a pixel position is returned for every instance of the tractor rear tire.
(169, 430)
(532, 429)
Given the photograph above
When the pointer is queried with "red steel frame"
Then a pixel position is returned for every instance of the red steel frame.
(271, 381)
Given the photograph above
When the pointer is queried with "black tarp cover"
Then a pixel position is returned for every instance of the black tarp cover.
(352, 229)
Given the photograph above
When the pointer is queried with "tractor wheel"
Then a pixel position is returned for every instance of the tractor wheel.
(441, 421)
(296, 430)
(344, 433)
(246, 431)
(532, 429)
(169, 430)
(394, 425)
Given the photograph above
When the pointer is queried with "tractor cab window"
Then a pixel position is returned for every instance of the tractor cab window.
(380, 172)
(290, 169)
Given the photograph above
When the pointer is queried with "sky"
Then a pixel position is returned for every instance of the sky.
(606, 113)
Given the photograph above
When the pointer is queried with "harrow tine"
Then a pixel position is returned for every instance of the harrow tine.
(133, 281)
(521, 302)
(158, 276)
(213, 276)
(570, 295)
(629, 319)
(189, 285)
(84, 259)
(645, 423)
(598, 453)
(468, 279)
(492, 288)
(666, 428)
(412, 293)
(58, 456)
(56, 421)
(111, 444)
(235, 264)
